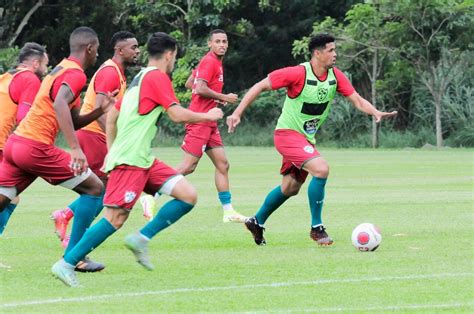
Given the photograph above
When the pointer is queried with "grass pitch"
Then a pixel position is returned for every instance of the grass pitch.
(421, 200)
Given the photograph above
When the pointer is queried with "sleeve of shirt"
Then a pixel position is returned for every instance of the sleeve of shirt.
(290, 77)
(156, 90)
(206, 70)
(75, 80)
(106, 80)
(344, 86)
(30, 85)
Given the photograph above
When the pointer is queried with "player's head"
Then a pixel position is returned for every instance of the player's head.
(323, 48)
(125, 46)
(163, 46)
(217, 42)
(84, 42)
(34, 56)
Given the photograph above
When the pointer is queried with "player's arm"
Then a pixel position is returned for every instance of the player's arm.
(364, 105)
(61, 106)
(203, 90)
(234, 119)
(178, 114)
(81, 121)
(189, 81)
(111, 126)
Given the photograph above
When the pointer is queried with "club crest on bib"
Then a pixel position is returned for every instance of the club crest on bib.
(129, 196)
(322, 93)
(309, 149)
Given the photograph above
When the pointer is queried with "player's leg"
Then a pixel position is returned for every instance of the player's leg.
(319, 170)
(167, 181)
(221, 164)
(6, 213)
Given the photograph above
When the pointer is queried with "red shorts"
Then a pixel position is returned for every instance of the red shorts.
(126, 183)
(296, 151)
(200, 138)
(1, 155)
(24, 160)
(94, 146)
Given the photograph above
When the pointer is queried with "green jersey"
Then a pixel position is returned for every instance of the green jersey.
(308, 111)
(135, 132)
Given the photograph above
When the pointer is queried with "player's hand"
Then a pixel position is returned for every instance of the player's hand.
(215, 114)
(232, 121)
(78, 162)
(383, 115)
(231, 98)
(109, 100)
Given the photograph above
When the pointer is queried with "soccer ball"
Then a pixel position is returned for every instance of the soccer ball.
(366, 237)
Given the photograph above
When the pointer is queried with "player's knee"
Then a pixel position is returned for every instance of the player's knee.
(97, 188)
(223, 167)
(190, 197)
(323, 170)
(187, 169)
(291, 190)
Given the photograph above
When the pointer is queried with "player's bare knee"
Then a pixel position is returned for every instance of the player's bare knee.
(323, 170)
(190, 197)
(223, 167)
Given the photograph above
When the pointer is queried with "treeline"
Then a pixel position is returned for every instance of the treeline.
(413, 56)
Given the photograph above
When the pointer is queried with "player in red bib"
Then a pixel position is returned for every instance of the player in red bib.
(208, 81)
(18, 88)
(311, 87)
(108, 78)
(30, 152)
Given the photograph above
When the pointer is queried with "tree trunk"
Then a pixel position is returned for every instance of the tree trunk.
(375, 129)
(439, 129)
(24, 22)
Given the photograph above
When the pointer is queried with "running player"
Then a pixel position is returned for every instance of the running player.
(204, 136)
(131, 166)
(108, 78)
(18, 88)
(30, 152)
(311, 87)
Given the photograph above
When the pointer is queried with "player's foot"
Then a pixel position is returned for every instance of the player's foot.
(60, 223)
(65, 272)
(233, 216)
(148, 203)
(86, 265)
(65, 241)
(256, 230)
(138, 245)
(320, 236)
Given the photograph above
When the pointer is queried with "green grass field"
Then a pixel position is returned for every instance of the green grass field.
(421, 200)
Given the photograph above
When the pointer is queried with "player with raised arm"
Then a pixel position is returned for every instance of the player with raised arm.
(30, 152)
(131, 165)
(311, 87)
(18, 88)
(208, 82)
(107, 79)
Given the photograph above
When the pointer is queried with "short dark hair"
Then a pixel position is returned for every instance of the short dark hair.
(216, 31)
(120, 36)
(81, 37)
(29, 50)
(160, 42)
(319, 41)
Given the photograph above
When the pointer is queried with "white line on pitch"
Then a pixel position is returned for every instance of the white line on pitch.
(222, 288)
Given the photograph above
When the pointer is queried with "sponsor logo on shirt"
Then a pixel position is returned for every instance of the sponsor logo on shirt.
(310, 126)
(309, 149)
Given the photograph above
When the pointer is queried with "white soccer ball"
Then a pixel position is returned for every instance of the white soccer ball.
(366, 237)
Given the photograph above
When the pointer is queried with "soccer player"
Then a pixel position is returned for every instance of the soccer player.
(18, 88)
(311, 87)
(30, 152)
(108, 78)
(130, 164)
(204, 137)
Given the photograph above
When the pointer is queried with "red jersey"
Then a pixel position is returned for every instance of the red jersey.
(23, 89)
(156, 90)
(210, 70)
(293, 78)
(40, 124)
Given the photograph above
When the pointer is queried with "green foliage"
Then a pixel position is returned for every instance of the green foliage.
(8, 58)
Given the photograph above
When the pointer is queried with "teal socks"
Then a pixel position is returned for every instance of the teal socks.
(5, 216)
(316, 199)
(225, 197)
(84, 214)
(77, 201)
(273, 200)
(171, 212)
(93, 237)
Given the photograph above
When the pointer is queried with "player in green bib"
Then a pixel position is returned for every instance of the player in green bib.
(311, 88)
(131, 127)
